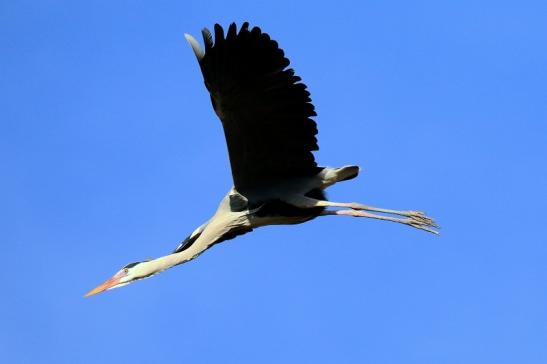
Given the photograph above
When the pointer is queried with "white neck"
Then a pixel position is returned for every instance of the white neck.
(162, 263)
(212, 231)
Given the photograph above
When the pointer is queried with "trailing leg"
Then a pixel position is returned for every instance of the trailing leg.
(411, 221)
(416, 219)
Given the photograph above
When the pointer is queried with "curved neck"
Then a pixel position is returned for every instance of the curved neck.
(162, 263)
(209, 233)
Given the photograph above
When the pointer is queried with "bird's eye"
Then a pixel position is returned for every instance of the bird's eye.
(126, 270)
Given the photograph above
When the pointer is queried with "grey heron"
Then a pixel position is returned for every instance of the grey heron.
(266, 113)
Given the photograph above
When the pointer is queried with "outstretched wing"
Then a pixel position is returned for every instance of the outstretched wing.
(264, 108)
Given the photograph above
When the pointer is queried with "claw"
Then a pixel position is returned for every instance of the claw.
(421, 218)
(427, 221)
(423, 224)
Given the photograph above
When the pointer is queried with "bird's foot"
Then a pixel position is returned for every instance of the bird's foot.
(417, 216)
(421, 216)
(419, 220)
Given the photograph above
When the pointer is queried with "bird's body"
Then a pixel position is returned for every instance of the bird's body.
(272, 205)
(266, 114)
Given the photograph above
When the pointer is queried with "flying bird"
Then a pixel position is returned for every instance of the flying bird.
(267, 117)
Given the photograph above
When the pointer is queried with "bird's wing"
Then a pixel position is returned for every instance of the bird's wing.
(264, 108)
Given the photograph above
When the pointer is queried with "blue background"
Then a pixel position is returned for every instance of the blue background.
(111, 153)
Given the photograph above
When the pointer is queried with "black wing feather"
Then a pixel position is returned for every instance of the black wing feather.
(207, 39)
(264, 108)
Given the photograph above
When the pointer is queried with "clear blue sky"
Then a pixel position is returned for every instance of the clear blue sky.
(110, 153)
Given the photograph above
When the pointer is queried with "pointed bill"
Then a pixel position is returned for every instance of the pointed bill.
(115, 280)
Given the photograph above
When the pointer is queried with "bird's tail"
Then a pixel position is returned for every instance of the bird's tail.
(331, 176)
(346, 173)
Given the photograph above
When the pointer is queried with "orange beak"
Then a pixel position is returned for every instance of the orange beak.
(106, 285)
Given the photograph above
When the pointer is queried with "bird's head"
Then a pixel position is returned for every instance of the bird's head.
(130, 273)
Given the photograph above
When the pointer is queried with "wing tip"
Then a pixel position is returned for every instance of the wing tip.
(195, 46)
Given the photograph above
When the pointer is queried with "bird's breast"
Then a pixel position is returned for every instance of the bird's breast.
(278, 212)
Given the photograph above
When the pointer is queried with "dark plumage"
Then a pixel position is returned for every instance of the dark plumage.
(264, 108)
